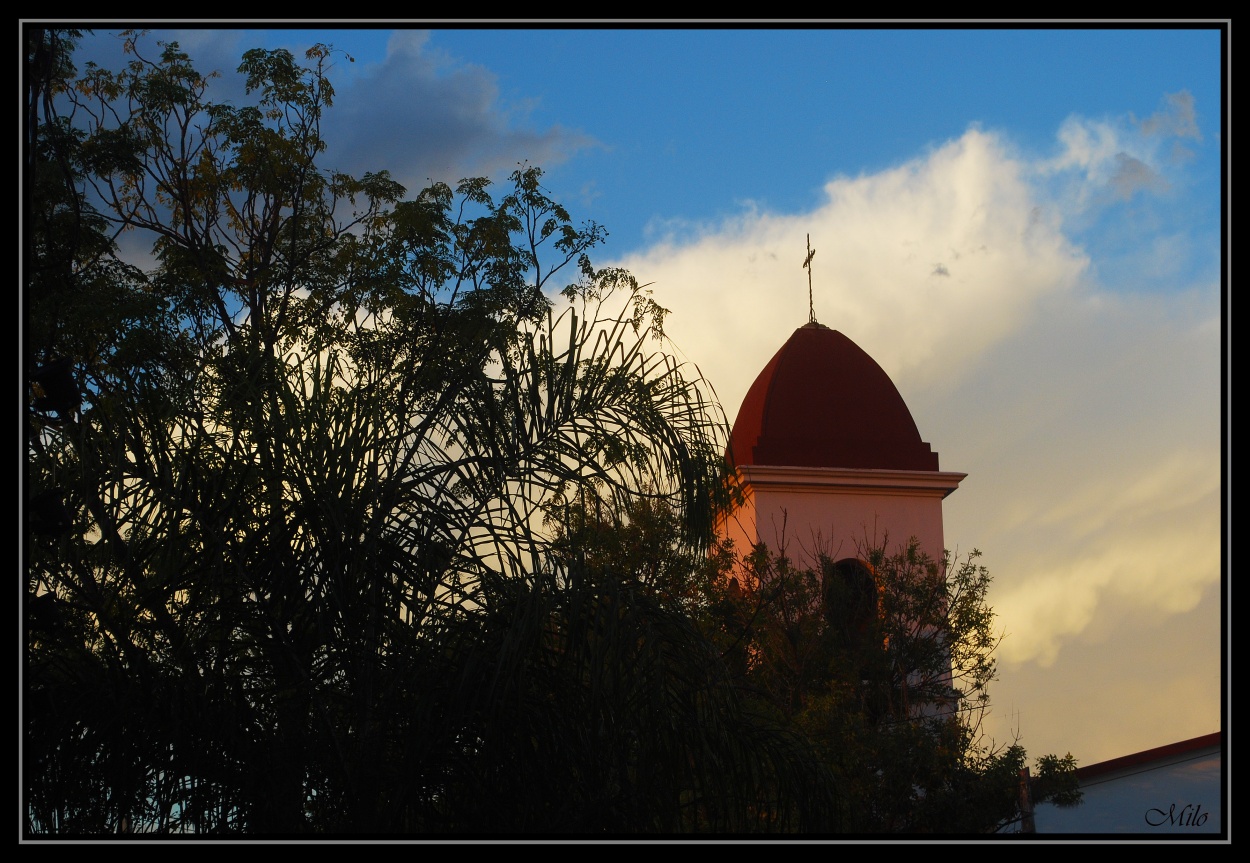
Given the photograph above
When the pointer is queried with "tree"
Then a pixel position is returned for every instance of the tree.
(677, 747)
(884, 661)
(286, 568)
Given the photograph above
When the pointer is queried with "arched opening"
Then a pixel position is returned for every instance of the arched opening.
(850, 598)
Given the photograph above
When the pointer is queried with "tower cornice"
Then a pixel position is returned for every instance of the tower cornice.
(837, 480)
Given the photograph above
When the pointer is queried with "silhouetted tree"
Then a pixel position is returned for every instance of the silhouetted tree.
(884, 662)
(286, 562)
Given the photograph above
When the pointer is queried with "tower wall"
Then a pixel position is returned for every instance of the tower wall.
(805, 511)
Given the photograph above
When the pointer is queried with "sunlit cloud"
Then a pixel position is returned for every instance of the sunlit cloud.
(925, 266)
(1095, 684)
(1091, 439)
(1184, 478)
(1155, 547)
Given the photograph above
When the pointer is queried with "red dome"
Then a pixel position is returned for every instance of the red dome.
(822, 402)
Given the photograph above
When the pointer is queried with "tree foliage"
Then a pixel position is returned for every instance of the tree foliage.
(286, 563)
(884, 662)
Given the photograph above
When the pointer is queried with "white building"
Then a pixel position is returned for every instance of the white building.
(1167, 792)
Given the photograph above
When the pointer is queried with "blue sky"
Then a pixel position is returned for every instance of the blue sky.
(1022, 226)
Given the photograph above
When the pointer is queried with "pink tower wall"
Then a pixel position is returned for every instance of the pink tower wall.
(805, 511)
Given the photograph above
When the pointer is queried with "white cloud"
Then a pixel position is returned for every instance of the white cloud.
(1156, 549)
(924, 266)
(1091, 439)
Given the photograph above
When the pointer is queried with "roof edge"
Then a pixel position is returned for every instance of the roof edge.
(1181, 747)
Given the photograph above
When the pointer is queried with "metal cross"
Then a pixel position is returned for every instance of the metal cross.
(807, 265)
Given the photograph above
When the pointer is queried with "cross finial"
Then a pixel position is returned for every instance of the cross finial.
(807, 265)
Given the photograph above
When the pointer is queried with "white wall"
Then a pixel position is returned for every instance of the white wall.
(1177, 795)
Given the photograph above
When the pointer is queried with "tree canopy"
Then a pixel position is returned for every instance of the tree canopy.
(884, 661)
(354, 512)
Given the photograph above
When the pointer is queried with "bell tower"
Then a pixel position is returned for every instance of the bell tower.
(828, 456)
